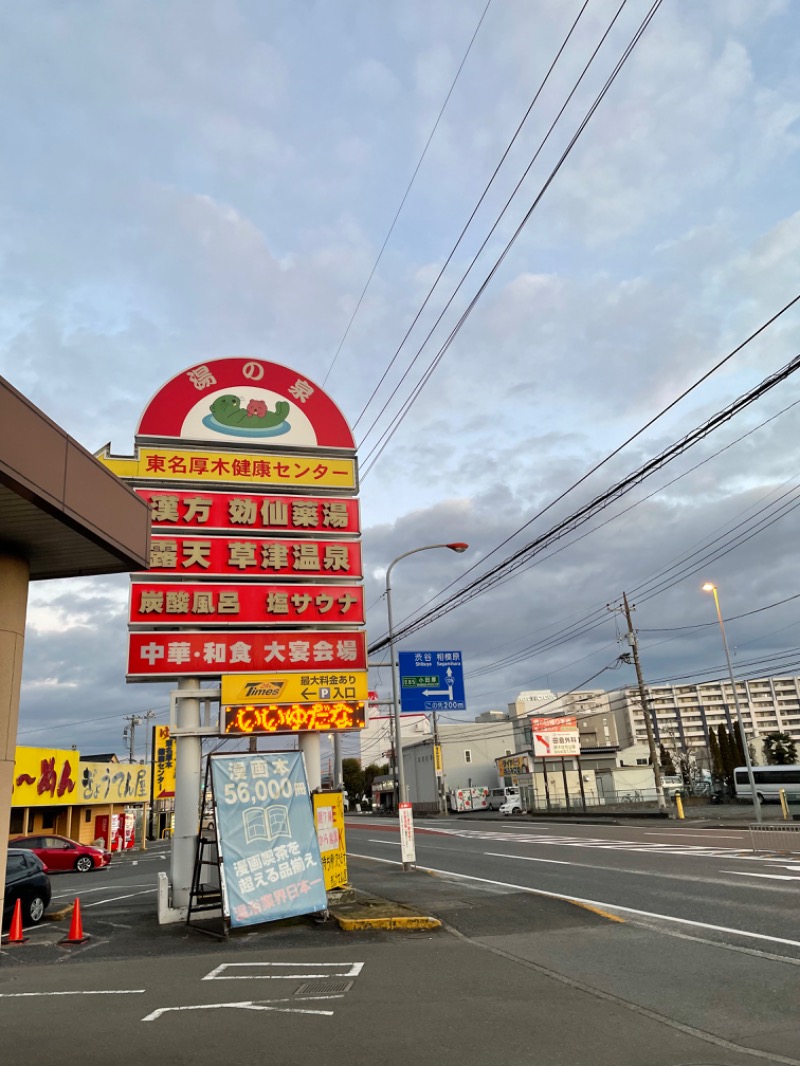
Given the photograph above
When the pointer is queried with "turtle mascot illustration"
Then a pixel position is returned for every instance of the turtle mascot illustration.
(228, 411)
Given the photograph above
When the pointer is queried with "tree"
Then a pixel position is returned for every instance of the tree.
(715, 757)
(738, 746)
(686, 770)
(665, 758)
(353, 778)
(728, 755)
(779, 749)
(371, 772)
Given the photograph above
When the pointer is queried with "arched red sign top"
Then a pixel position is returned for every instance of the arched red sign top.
(245, 401)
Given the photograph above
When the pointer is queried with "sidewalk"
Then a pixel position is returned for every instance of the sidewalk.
(731, 815)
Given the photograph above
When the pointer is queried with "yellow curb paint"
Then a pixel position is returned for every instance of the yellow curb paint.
(349, 924)
(60, 915)
(597, 910)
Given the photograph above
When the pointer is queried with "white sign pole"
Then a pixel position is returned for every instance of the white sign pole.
(408, 852)
(309, 744)
(188, 758)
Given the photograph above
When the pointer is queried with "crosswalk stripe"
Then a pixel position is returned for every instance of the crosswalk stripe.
(643, 847)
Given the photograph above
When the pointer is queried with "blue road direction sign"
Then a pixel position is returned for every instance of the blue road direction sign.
(431, 681)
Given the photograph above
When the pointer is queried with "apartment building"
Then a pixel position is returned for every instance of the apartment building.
(684, 714)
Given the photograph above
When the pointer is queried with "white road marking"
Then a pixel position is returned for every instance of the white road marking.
(87, 891)
(130, 895)
(771, 877)
(593, 903)
(391, 843)
(530, 858)
(693, 833)
(350, 969)
(646, 847)
(81, 992)
(739, 948)
(626, 870)
(247, 1004)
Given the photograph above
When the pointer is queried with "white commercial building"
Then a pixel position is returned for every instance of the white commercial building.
(376, 739)
(543, 701)
(469, 752)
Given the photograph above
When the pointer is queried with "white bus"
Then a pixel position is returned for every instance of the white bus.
(769, 780)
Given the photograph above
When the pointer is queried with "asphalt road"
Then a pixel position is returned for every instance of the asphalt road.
(515, 976)
(674, 876)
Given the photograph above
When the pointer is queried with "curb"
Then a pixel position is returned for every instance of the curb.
(399, 922)
(357, 910)
(59, 915)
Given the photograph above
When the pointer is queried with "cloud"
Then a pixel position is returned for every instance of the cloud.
(196, 184)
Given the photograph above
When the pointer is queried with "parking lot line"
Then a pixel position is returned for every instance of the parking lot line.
(114, 899)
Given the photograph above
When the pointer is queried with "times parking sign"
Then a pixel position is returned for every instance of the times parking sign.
(431, 681)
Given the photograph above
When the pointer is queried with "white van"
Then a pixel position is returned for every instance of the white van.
(499, 796)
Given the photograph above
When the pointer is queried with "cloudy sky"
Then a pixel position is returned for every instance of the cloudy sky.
(195, 179)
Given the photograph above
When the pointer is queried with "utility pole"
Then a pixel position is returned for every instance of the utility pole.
(146, 805)
(129, 732)
(648, 721)
(438, 780)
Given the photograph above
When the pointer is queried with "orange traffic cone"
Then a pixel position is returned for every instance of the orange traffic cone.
(76, 935)
(15, 932)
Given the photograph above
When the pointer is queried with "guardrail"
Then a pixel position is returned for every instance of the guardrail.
(784, 838)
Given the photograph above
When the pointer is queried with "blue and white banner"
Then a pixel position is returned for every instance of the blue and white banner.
(271, 866)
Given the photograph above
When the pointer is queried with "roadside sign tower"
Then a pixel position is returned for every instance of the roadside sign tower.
(255, 574)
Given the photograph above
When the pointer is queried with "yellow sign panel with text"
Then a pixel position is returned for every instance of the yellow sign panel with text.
(49, 777)
(309, 687)
(329, 822)
(253, 470)
(113, 782)
(163, 768)
(44, 777)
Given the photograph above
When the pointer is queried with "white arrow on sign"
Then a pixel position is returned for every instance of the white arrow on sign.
(248, 1004)
(449, 681)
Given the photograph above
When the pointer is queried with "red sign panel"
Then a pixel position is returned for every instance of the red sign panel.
(544, 724)
(246, 401)
(163, 654)
(246, 512)
(194, 604)
(292, 718)
(228, 556)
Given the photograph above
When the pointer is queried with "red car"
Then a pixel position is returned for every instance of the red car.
(60, 853)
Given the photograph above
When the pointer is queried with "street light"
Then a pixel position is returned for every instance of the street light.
(456, 546)
(709, 587)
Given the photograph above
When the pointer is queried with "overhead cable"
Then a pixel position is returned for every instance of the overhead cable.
(405, 194)
(471, 218)
(584, 513)
(377, 450)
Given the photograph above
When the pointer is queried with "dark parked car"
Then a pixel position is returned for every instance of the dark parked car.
(26, 879)
(60, 853)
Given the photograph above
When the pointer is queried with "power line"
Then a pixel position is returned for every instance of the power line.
(84, 721)
(377, 450)
(597, 466)
(582, 515)
(468, 223)
(481, 729)
(405, 194)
